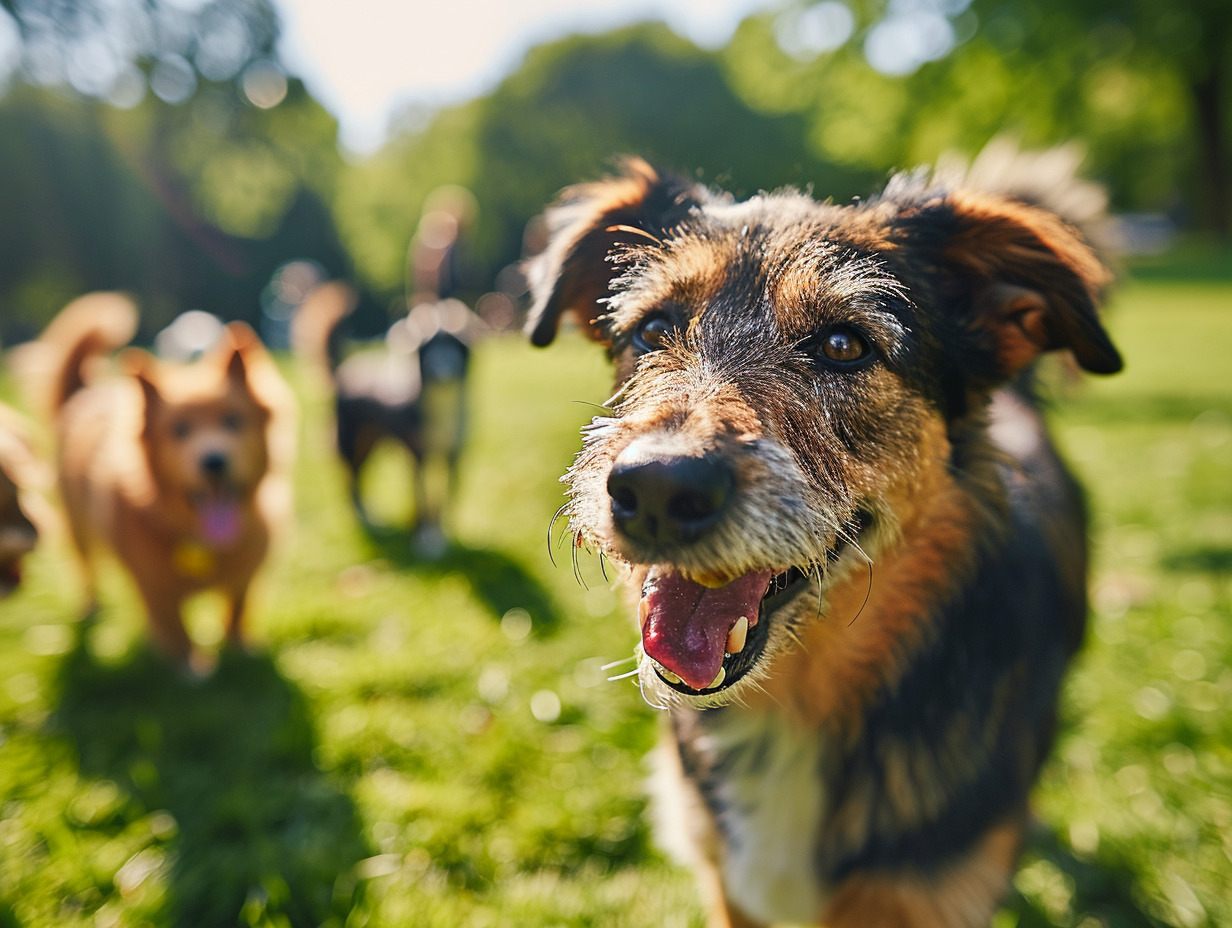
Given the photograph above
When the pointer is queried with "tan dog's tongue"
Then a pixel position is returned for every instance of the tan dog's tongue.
(220, 520)
(687, 623)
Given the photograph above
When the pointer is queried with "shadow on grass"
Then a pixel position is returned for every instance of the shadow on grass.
(1212, 559)
(1063, 890)
(499, 581)
(262, 837)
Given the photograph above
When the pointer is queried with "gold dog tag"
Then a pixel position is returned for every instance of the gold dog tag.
(193, 559)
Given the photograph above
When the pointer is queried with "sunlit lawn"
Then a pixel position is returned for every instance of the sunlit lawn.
(434, 744)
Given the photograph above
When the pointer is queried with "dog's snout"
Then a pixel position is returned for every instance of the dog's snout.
(663, 498)
(214, 464)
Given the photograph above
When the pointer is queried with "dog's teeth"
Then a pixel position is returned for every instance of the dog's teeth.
(737, 636)
(668, 675)
(643, 612)
(718, 679)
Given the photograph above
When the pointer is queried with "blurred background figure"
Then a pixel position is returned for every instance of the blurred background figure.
(190, 335)
(434, 264)
(410, 389)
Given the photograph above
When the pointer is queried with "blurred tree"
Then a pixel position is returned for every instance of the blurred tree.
(564, 114)
(1183, 42)
(113, 49)
(891, 83)
(190, 196)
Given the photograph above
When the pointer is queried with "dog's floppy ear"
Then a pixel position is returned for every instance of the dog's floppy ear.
(1036, 284)
(588, 222)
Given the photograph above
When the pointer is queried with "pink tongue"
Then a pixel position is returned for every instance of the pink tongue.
(219, 521)
(687, 624)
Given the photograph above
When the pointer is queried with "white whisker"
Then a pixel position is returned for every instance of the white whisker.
(623, 660)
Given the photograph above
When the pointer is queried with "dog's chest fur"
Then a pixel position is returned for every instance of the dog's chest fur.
(763, 779)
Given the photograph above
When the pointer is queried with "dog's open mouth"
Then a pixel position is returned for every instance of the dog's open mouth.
(219, 515)
(704, 638)
(704, 633)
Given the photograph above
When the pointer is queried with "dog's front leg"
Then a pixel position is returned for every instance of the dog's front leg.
(166, 623)
(237, 601)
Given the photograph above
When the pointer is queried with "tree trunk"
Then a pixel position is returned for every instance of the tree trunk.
(1215, 198)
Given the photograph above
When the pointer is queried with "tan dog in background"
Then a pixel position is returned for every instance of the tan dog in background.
(18, 534)
(178, 469)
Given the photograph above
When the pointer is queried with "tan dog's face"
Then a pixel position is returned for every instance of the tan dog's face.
(205, 438)
(789, 375)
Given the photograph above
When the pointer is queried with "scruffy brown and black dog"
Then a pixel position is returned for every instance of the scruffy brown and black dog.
(861, 563)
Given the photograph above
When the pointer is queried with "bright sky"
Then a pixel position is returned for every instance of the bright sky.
(364, 58)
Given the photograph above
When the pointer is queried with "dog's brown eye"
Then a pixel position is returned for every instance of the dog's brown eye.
(651, 333)
(180, 429)
(233, 422)
(843, 347)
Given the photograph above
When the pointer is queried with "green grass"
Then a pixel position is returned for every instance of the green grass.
(404, 747)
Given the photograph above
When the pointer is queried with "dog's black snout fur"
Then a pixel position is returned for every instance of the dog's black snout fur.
(214, 464)
(667, 499)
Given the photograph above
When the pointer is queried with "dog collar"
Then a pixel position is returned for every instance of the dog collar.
(194, 559)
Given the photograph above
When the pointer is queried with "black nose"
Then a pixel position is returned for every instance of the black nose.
(214, 464)
(667, 499)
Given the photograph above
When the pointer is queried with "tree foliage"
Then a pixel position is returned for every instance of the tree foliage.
(562, 117)
(188, 200)
(1148, 89)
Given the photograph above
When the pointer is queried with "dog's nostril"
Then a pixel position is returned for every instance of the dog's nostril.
(667, 498)
(624, 500)
(214, 465)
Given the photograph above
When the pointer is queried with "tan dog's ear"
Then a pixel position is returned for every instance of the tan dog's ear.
(1034, 282)
(238, 348)
(586, 225)
(142, 367)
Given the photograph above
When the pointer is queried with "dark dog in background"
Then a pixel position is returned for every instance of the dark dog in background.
(860, 564)
(18, 534)
(411, 390)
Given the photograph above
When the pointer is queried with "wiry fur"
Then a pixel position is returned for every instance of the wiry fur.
(179, 470)
(863, 756)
